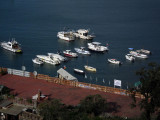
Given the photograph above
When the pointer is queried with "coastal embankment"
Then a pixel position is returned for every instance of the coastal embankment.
(70, 92)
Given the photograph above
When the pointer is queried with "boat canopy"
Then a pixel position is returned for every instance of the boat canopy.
(96, 43)
(82, 31)
(130, 48)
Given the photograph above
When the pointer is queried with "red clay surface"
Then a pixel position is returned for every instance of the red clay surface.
(27, 87)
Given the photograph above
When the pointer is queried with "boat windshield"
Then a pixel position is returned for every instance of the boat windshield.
(15, 46)
(85, 34)
(82, 48)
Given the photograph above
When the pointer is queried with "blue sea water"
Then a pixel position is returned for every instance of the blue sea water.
(120, 23)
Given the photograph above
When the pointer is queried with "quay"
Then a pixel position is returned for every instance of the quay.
(70, 92)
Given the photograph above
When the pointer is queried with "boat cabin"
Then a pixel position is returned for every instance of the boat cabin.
(82, 48)
(96, 43)
(14, 44)
(83, 32)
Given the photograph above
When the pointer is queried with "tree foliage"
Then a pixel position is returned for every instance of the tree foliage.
(149, 88)
(90, 108)
(93, 104)
(51, 110)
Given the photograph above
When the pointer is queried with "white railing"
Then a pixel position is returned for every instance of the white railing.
(18, 72)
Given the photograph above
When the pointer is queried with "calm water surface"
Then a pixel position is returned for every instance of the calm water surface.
(120, 23)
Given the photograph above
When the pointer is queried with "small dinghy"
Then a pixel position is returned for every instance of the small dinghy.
(37, 61)
(114, 61)
(78, 71)
(130, 57)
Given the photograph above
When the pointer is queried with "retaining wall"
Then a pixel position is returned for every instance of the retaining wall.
(81, 84)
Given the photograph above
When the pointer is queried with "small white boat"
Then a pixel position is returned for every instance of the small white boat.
(95, 46)
(114, 61)
(37, 61)
(68, 53)
(89, 68)
(82, 50)
(78, 71)
(144, 51)
(68, 36)
(13, 46)
(138, 55)
(83, 34)
(130, 57)
(49, 59)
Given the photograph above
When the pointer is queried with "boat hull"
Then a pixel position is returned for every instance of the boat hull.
(67, 36)
(70, 54)
(138, 55)
(95, 50)
(89, 68)
(84, 52)
(114, 61)
(79, 71)
(96, 47)
(37, 61)
(130, 57)
(84, 37)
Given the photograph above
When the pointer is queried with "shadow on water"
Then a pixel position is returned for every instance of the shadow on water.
(114, 65)
(11, 55)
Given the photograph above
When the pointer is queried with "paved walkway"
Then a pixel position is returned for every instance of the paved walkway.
(27, 87)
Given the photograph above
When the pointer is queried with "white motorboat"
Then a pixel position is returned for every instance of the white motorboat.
(68, 53)
(138, 55)
(78, 71)
(130, 57)
(144, 51)
(82, 50)
(49, 59)
(58, 56)
(68, 36)
(83, 34)
(89, 68)
(13, 46)
(95, 46)
(114, 61)
(37, 61)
